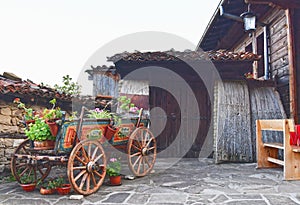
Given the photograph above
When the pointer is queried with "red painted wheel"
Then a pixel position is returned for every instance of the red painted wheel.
(141, 150)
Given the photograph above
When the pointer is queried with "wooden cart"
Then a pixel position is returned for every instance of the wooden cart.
(79, 145)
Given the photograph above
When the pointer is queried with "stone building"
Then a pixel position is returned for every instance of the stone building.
(11, 127)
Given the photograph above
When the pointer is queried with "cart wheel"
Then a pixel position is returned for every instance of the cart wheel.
(87, 167)
(141, 151)
(25, 166)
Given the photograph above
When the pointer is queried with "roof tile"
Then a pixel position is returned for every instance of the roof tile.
(172, 55)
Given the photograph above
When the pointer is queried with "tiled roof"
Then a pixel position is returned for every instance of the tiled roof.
(109, 71)
(172, 55)
(15, 85)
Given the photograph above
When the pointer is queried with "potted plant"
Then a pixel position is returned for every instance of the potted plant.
(27, 182)
(113, 170)
(47, 187)
(99, 114)
(51, 116)
(62, 188)
(40, 134)
(28, 113)
(103, 114)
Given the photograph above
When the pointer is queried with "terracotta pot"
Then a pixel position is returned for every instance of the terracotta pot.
(53, 128)
(44, 145)
(28, 187)
(64, 190)
(45, 191)
(110, 132)
(29, 122)
(115, 180)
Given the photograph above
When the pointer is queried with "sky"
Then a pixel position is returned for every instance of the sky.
(44, 40)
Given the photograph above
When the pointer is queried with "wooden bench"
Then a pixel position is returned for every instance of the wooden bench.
(267, 152)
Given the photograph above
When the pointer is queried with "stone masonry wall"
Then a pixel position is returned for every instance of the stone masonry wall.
(11, 132)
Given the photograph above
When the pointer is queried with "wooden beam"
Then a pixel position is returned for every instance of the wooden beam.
(281, 3)
(292, 64)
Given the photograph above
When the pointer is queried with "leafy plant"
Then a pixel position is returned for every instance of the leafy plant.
(39, 131)
(29, 113)
(125, 103)
(99, 114)
(27, 179)
(58, 182)
(68, 87)
(113, 167)
(48, 184)
(53, 113)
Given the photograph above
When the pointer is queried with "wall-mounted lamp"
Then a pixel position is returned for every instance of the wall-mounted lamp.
(249, 20)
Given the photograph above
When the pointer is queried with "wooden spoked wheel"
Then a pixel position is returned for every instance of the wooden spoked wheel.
(141, 150)
(87, 167)
(26, 166)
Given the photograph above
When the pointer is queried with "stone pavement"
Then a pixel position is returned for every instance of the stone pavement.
(190, 181)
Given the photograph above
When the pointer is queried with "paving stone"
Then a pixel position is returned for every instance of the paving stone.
(279, 200)
(220, 199)
(246, 202)
(168, 198)
(244, 196)
(138, 199)
(97, 197)
(117, 198)
(6, 196)
(25, 202)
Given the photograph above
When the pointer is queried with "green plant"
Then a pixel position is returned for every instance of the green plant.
(99, 114)
(113, 167)
(48, 184)
(73, 116)
(68, 87)
(27, 179)
(39, 131)
(125, 103)
(58, 182)
(29, 113)
(52, 114)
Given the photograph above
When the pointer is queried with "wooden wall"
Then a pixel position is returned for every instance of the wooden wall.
(297, 58)
(279, 60)
(236, 108)
(104, 85)
(278, 51)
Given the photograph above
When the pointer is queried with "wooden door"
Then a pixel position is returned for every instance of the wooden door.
(182, 131)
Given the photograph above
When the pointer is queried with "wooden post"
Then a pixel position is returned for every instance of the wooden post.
(254, 50)
(292, 63)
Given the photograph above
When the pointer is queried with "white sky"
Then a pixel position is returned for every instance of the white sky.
(39, 36)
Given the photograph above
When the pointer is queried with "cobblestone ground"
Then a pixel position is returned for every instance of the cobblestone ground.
(190, 181)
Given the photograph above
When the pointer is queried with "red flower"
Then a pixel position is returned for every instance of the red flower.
(16, 100)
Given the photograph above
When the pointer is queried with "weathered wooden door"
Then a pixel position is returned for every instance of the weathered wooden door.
(181, 131)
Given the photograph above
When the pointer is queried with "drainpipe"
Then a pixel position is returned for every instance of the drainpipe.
(266, 53)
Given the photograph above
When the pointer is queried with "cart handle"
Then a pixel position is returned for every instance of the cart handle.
(140, 117)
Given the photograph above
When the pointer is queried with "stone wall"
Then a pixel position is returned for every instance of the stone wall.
(11, 132)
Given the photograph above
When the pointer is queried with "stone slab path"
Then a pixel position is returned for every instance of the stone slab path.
(190, 181)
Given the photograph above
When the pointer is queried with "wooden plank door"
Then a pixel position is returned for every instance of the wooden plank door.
(182, 131)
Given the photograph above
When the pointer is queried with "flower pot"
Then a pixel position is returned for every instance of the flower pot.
(64, 190)
(110, 132)
(28, 187)
(44, 145)
(115, 180)
(53, 127)
(28, 122)
(45, 191)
